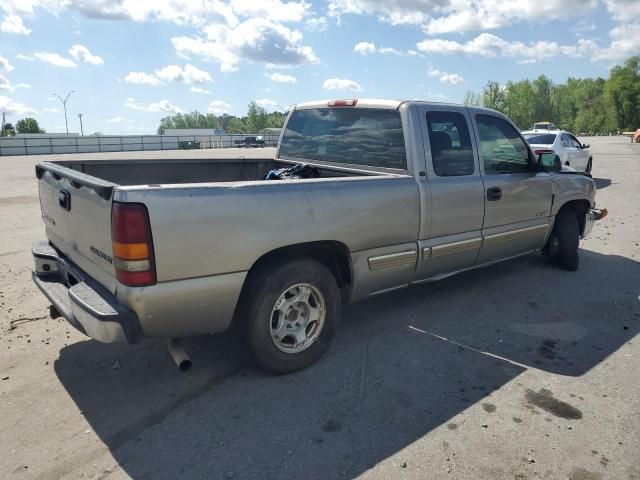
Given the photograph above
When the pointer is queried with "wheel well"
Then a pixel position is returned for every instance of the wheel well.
(579, 209)
(333, 255)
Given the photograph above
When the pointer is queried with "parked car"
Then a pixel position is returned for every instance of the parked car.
(401, 193)
(571, 151)
(254, 141)
(544, 126)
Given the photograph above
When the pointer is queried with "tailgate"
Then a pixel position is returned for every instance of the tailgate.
(76, 209)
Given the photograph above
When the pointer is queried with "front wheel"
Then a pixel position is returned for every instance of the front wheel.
(562, 247)
(589, 166)
(293, 310)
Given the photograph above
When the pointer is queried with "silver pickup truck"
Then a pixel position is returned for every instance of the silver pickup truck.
(362, 197)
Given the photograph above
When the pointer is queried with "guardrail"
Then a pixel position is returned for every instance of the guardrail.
(43, 145)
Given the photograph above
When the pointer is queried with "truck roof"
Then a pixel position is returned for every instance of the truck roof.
(374, 103)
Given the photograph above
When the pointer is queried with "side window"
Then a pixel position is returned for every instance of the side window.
(574, 142)
(451, 150)
(502, 149)
(566, 141)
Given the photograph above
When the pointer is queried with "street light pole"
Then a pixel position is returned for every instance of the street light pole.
(64, 104)
(81, 129)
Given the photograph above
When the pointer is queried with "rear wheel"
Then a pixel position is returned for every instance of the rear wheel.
(293, 310)
(562, 247)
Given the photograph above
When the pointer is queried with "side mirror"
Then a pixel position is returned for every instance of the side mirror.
(549, 162)
(585, 145)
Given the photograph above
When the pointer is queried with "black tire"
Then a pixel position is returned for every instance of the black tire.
(565, 239)
(265, 287)
(589, 166)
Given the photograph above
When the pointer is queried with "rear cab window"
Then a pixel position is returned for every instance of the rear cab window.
(357, 136)
(451, 150)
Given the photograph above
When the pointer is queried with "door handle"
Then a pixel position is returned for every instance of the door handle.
(494, 194)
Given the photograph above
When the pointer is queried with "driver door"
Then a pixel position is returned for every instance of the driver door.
(517, 196)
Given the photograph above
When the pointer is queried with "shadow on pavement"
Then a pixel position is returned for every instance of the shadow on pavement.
(402, 365)
(602, 183)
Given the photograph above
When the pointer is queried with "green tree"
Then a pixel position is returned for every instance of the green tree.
(623, 94)
(472, 98)
(257, 118)
(542, 99)
(520, 103)
(8, 130)
(28, 125)
(494, 96)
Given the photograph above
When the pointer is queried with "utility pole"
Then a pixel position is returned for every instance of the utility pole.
(81, 130)
(2, 131)
(64, 104)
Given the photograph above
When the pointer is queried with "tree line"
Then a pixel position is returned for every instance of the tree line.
(256, 119)
(581, 105)
(26, 125)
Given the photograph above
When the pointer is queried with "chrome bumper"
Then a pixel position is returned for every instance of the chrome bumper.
(592, 217)
(84, 303)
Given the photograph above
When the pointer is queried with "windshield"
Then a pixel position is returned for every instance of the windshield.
(540, 139)
(360, 136)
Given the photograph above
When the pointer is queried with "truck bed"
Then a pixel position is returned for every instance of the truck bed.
(180, 171)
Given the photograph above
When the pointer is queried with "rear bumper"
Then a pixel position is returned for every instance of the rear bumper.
(84, 303)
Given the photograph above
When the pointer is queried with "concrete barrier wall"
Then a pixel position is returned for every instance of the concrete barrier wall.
(114, 143)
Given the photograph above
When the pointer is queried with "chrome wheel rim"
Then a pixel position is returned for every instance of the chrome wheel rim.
(297, 318)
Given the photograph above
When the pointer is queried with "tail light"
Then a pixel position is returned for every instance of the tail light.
(342, 103)
(132, 244)
(546, 150)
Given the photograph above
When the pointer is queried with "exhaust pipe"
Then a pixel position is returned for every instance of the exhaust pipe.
(179, 355)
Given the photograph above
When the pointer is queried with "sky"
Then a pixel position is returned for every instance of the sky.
(132, 62)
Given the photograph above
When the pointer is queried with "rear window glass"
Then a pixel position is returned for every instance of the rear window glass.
(540, 139)
(359, 136)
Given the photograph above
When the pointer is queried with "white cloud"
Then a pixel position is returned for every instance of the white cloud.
(364, 48)
(200, 90)
(491, 46)
(317, 24)
(625, 42)
(13, 24)
(275, 10)
(454, 16)
(256, 39)
(452, 79)
(218, 107)
(5, 65)
(444, 77)
(55, 59)
(27, 58)
(282, 78)
(624, 11)
(50, 110)
(229, 31)
(266, 102)
(141, 78)
(163, 106)
(341, 84)
(159, 106)
(14, 108)
(5, 84)
(188, 74)
(82, 54)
